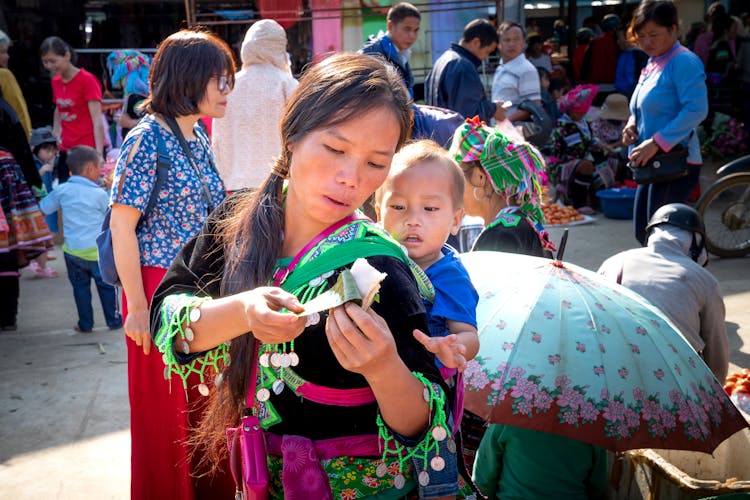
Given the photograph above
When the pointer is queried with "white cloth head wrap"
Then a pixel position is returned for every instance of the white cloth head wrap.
(265, 43)
(682, 237)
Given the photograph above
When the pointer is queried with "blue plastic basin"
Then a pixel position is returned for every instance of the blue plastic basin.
(617, 203)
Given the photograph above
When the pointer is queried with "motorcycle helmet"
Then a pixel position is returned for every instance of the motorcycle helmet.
(684, 217)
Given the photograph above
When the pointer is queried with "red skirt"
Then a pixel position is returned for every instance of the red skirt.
(161, 415)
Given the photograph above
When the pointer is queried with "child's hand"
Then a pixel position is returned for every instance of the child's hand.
(447, 349)
(46, 168)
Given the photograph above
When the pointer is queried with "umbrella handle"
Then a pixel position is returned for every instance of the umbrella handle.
(561, 246)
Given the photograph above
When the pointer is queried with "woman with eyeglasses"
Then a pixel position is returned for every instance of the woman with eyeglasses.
(191, 75)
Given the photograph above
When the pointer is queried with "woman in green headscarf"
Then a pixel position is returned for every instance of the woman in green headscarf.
(502, 187)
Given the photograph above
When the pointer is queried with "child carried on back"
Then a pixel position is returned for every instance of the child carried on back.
(420, 204)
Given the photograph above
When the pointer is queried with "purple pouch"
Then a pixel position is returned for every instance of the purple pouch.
(247, 458)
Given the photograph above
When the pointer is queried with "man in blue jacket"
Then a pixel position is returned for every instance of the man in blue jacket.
(395, 45)
(454, 81)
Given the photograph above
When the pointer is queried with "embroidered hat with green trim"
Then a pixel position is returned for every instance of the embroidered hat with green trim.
(514, 169)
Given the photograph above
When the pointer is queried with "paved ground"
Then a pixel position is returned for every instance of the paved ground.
(63, 396)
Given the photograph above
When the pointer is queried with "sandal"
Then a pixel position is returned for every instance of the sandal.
(586, 210)
(78, 329)
(46, 273)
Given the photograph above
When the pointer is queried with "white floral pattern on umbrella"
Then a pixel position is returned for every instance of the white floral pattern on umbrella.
(563, 351)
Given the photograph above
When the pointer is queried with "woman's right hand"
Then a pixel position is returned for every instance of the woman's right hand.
(263, 308)
(137, 328)
(630, 134)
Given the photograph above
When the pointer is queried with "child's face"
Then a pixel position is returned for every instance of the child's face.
(417, 209)
(47, 153)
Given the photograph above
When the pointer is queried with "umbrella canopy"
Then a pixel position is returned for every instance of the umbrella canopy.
(565, 352)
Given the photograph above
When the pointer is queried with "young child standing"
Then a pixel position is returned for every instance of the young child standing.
(84, 205)
(44, 147)
(420, 204)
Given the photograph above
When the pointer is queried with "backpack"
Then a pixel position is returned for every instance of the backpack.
(538, 130)
(107, 266)
(435, 123)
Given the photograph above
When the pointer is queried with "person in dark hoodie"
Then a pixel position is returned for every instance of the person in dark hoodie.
(395, 44)
(454, 81)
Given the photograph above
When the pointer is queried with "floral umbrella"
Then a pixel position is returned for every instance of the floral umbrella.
(565, 352)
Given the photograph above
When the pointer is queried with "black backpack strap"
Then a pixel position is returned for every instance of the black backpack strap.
(162, 170)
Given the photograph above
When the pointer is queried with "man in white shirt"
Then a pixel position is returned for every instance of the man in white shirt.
(516, 79)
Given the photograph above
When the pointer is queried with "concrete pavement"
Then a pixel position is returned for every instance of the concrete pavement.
(63, 396)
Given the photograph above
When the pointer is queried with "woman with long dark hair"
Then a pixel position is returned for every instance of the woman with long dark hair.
(335, 390)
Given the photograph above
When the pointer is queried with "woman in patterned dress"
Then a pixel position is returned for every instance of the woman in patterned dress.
(191, 75)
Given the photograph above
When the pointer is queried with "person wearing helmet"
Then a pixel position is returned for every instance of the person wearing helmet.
(669, 273)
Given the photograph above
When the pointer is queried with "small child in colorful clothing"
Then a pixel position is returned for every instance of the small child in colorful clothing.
(573, 154)
(420, 204)
(44, 147)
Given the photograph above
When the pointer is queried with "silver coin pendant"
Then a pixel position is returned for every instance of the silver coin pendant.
(277, 386)
(399, 481)
(439, 433)
(424, 478)
(264, 360)
(294, 358)
(381, 470)
(276, 359)
(285, 361)
(437, 463)
(263, 394)
(451, 446)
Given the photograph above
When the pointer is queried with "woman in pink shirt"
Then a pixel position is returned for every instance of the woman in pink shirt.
(78, 102)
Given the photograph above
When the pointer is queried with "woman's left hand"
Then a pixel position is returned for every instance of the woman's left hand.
(360, 340)
(642, 153)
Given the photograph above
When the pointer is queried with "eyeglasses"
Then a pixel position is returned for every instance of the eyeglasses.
(224, 82)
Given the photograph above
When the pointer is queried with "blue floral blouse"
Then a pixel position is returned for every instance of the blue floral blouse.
(181, 208)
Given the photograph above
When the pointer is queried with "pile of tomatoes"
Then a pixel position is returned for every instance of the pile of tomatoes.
(557, 214)
(738, 382)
